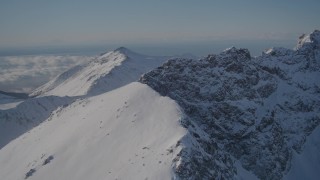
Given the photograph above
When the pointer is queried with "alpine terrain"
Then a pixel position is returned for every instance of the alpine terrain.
(123, 115)
(106, 72)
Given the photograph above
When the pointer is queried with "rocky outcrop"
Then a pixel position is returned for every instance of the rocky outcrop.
(253, 110)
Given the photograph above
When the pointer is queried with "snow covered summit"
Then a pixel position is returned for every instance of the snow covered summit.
(106, 72)
(309, 39)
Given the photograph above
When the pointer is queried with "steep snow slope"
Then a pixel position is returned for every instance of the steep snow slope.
(242, 111)
(104, 73)
(128, 133)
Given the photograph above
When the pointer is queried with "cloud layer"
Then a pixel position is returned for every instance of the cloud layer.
(25, 73)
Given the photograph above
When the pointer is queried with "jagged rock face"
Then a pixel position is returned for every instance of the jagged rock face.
(311, 40)
(254, 110)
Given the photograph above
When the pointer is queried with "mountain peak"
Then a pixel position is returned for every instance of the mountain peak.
(104, 73)
(277, 51)
(236, 53)
(126, 51)
(122, 49)
(309, 39)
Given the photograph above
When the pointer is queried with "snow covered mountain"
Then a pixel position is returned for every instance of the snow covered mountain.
(103, 73)
(225, 116)
(130, 119)
(106, 72)
(128, 133)
(246, 114)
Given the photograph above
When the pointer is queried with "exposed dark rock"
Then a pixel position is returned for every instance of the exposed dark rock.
(29, 173)
(48, 160)
(240, 108)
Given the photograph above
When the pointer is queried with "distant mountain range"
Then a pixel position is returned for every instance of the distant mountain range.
(124, 115)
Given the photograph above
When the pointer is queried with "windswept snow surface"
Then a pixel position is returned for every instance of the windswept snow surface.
(104, 73)
(128, 133)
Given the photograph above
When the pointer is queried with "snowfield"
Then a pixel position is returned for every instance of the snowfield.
(129, 133)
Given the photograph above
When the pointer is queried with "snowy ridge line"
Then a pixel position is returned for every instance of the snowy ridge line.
(134, 137)
(106, 72)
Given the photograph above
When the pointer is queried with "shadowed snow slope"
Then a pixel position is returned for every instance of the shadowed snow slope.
(104, 73)
(307, 164)
(17, 117)
(7, 101)
(134, 137)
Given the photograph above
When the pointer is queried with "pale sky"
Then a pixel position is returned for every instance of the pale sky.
(70, 23)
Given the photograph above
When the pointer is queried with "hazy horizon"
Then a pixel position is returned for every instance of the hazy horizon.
(153, 27)
(26, 69)
(41, 39)
(256, 47)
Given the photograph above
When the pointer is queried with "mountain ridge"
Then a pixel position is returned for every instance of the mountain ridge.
(224, 116)
(106, 72)
(127, 133)
(255, 110)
